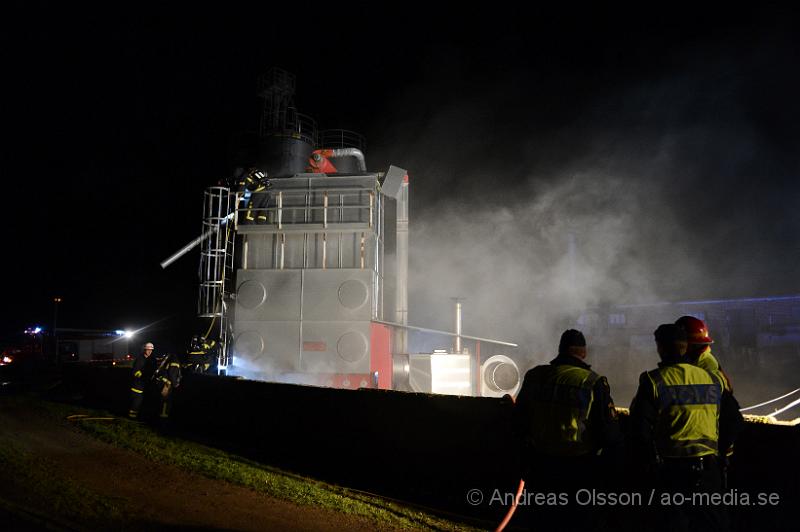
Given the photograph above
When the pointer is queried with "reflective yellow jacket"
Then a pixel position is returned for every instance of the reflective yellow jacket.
(688, 400)
(558, 399)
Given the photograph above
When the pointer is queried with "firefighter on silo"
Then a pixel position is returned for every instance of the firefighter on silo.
(168, 378)
(253, 185)
(144, 367)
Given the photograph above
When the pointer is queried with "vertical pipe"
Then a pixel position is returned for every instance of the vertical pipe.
(362, 250)
(457, 347)
(371, 202)
(324, 225)
(325, 209)
(401, 305)
(341, 220)
(280, 208)
(283, 248)
(377, 265)
(324, 251)
(477, 368)
(380, 256)
(306, 218)
(339, 263)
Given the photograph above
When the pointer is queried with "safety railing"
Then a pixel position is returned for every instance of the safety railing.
(325, 209)
(290, 123)
(342, 138)
(330, 227)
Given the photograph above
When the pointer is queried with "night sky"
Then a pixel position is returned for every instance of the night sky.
(115, 122)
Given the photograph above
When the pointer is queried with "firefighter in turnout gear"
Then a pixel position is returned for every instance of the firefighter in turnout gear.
(679, 420)
(168, 377)
(253, 185)
(144, 367)
(699, 353)
(202, 354)
(568, 426)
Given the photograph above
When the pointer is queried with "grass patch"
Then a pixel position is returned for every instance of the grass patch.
(216, 464)
(67, 500)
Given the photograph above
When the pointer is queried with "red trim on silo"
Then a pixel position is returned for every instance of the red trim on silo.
(380, 354)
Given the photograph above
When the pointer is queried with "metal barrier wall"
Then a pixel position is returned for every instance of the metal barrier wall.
(429, 449)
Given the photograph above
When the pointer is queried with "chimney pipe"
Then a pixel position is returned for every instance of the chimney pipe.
(457, 348)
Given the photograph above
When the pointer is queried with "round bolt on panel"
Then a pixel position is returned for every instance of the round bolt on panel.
(353, 294)
(252, 294)
(249, 344)
(352, 346)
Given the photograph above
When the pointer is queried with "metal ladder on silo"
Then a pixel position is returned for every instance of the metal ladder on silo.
(217, 261)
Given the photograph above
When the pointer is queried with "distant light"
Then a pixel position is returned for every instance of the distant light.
(37, 330)
(129, 334)
(119, 332)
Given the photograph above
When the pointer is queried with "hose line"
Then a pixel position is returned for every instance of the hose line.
(785, 408)
(770, 401)
(513, 508)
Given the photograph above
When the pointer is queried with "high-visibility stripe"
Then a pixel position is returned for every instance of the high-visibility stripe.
(136, 391)
(563, 394)
(686, 394)
(689, 394)
(174, 365)
(688, 400)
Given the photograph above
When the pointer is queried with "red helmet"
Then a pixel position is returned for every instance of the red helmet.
(696, 330)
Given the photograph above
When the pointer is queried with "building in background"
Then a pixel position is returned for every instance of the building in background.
(748, 333)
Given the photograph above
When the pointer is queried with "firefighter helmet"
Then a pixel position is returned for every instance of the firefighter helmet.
(696, 330)
(197, 343)
(149, 345)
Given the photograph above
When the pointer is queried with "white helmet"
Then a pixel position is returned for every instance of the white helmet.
(149, 345)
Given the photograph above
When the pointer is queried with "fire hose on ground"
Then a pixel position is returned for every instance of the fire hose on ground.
(504, 523)
(513, 508)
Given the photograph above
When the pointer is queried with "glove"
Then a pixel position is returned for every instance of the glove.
(137, 374)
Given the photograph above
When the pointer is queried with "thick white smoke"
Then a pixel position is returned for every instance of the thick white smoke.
(530, 262)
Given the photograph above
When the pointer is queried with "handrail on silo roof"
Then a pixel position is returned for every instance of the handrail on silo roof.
(342, 138)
